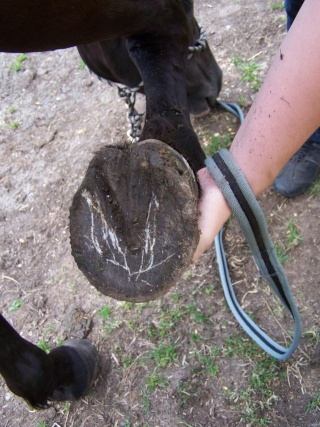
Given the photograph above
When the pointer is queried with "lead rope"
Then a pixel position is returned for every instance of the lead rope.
(249, 215)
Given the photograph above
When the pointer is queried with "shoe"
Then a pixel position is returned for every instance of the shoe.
(300, 171)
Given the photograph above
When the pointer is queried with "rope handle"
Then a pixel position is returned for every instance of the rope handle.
(247, 211)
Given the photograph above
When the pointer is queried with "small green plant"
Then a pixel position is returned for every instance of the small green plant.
(155, 380)
(197, 315)
(164, 355)
(12, 110)
(249, 72)
(238, 346)
(44, 345)
(314, 403)
(15, 305)
(105, 312)
(293, 236)
(14, 125)
(314, 190)
(207, 362)
(281, 252)
(278, 6)
(18, 63)
(217, 142)
(42, 424)
(81, 65)
(128, 361)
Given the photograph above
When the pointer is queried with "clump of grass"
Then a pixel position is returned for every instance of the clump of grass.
(278, 6)
(18, 63)
(293, 238)
(15, 305)
(156, 381)
(14, 125)
(314, 403)
(44, 345)
(217, 142)
(314, 190)
(249, 72)
(109, 324)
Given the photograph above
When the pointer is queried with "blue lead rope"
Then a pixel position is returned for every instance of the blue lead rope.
(248, 213)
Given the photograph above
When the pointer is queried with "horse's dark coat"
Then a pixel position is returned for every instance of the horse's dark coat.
(156, 35)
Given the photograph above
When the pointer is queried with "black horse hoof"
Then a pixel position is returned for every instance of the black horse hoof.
(75, 367)
(134, 220)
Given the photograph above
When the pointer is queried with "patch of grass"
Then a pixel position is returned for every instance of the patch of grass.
(207, 361)
(293, 236)
(314, 403)
(156, 381)
(18, 63)
(314, 190)
(185, 392)
(15, 305)
(14, 125)
(278, 6)
(81, 65)
(164, 355)
(281, 252)
(249, 72)
(44, 345)
(105, 312)
(217, 142)
(12, 110)
(128, 361)
(237, 346)
(258, 394)
(109, 324)
(197, 315)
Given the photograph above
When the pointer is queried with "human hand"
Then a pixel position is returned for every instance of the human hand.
(213, 211)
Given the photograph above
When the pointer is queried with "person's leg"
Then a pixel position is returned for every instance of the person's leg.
(302, 169)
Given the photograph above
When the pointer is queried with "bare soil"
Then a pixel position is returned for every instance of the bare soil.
(181, 360)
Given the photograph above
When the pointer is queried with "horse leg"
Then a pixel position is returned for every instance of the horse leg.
(65, 373)
(161, 59)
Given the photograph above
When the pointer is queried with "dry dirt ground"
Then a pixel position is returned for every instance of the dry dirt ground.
(182, 360)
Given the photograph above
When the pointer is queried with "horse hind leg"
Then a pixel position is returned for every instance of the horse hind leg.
(66, 373)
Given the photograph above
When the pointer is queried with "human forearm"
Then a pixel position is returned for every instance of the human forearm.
(286, 110)
(284, 114)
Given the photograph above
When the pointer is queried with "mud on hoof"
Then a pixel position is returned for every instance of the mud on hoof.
(133, 221)
(75, 367)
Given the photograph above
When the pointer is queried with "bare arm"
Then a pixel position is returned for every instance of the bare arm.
(284, 114)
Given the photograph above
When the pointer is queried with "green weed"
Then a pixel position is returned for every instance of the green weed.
(314, 403)
(237, 346)
(44, 345)
(155, 381)
(105, 312)
(14, 125)
(249, 72)
(164, 355)
(18, 63)
(278, 6)
(293, 236)
(15, 305)
(217, 142)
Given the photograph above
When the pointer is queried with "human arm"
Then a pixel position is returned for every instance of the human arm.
(284, 114)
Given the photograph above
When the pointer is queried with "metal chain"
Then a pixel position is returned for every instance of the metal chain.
(133, 117)
(129, 94)
(200, 44)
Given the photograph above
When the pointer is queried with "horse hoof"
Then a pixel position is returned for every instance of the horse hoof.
(75, 367)
(134, 220)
